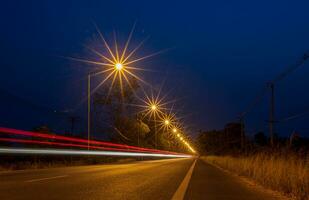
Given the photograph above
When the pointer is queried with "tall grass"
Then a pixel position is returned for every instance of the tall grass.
(286, 174)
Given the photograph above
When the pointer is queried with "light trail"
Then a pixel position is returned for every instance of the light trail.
(65, 144)
(71, 139)
(85, 152)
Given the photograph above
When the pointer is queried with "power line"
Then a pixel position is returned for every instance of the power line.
(255, 102)
(291, 68)
(281, 76)
(271, 85)
(295, 116)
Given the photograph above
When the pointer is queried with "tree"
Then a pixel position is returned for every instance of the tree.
(113, 105)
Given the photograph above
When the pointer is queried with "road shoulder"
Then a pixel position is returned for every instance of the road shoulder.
(251, 184)
(210, 182)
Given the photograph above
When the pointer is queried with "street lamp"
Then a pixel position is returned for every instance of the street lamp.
(89, 104)
(88, 107)
(119, 66)
(153, 107)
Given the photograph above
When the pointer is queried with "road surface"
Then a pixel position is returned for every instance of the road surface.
(161, 179)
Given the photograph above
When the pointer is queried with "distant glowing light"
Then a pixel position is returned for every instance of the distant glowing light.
(174, 130)
(178, 135)
(153, 107)
(167, 121)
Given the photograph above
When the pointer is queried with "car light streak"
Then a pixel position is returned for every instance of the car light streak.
(85, 152)
(71, 139)
(65, 144)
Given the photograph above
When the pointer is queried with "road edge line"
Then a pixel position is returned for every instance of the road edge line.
(181, 190)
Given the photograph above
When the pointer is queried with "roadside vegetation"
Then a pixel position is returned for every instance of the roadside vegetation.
(283, 167)
(287, 174)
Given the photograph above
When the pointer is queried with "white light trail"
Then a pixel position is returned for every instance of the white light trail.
(85, 152)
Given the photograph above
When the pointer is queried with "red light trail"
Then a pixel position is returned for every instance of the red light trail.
(65, 144)
(104, 145)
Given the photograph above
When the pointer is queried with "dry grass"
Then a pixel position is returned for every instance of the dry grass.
(286, 174)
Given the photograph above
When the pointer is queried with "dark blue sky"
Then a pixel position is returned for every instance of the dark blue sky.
(222, 53)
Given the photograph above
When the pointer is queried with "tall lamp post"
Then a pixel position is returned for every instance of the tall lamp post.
(89, 102)
(89, 105)
(117, 67)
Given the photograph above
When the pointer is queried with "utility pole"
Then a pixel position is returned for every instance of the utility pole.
(272, 113)
(271, 85)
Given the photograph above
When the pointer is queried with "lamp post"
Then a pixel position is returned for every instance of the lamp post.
(89, 105)
(153, 108)
(89, 102)
(117, 67)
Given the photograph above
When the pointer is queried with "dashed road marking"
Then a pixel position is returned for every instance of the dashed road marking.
(43, 179)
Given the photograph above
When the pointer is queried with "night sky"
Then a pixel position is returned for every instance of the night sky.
(221, 54)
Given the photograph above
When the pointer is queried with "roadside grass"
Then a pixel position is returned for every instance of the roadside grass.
(287, 174)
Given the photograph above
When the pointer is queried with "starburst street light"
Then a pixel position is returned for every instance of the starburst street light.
(167, 120)
(185, 143)
(153, 107)
(117, 64)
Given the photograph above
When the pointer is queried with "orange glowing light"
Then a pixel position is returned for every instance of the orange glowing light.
(118, 63)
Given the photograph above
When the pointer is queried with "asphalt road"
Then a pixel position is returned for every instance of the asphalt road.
(161, 179)
(209, 182)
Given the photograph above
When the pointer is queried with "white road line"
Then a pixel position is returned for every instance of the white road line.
(181, 191)
(43, 179)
